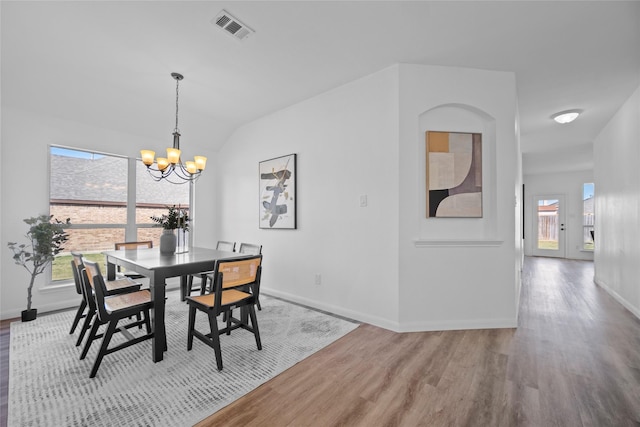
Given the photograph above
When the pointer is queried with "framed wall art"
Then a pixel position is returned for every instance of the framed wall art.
(278, 193)
(454, 174)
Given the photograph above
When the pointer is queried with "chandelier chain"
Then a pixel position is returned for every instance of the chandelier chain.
(177, 84)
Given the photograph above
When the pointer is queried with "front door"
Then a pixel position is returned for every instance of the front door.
(549, 226)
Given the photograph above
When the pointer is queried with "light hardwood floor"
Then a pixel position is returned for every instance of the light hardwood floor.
(574, 360)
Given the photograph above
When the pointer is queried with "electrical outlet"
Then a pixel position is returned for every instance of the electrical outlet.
(363, 201)
(318, 279)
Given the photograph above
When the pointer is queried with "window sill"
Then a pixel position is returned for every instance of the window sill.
(58, 287)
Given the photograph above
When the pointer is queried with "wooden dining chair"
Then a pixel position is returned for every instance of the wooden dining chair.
(236, 284)
(250, 248)
(110, 310)
(114, 287)
(222, 245)
(146, 244)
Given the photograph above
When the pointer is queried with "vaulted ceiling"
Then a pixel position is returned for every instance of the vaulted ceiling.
(109, 63)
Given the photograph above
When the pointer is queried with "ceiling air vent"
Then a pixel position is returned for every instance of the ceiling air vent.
(232, 26)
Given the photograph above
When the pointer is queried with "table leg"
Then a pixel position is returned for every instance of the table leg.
(183, 288)
(159, 342)
(111, 270)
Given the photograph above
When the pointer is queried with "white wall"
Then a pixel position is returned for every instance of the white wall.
(364, 138)
(617, 228)
(346, 142)
(25, 193)
(459, 273)
(569, 185)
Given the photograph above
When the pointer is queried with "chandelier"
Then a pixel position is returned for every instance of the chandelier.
(171, 167)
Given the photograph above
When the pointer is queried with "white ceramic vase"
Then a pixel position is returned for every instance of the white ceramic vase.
(168, 242)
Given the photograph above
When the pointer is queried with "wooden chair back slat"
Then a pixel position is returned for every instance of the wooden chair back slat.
(249, 248)
(238, 273)
(223, 245)
(94, 277)
(134, 245)
(86, 285)
(77, 265)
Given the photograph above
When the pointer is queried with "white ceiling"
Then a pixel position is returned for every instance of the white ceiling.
(109, 63)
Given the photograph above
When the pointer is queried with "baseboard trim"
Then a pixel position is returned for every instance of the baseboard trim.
(444, 325)
(349, 314)
(453, 325)
(626, 304)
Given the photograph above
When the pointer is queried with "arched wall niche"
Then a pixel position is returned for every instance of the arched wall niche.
(456, 117)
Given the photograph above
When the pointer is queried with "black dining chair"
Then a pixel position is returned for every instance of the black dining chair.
(222, 245)
(236, 284)
(114, 287)
(110, 310)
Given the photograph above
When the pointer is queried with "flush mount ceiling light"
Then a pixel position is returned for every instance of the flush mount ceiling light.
(568, 116)
(171, 167)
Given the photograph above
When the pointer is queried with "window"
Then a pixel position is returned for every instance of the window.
(93, 190)
(588, 217)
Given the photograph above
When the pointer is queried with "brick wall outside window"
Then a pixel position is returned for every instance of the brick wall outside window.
(101, 239)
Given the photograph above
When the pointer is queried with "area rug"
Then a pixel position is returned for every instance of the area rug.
(49, 386)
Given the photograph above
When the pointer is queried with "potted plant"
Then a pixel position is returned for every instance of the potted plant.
(175, 219)
(46, 238)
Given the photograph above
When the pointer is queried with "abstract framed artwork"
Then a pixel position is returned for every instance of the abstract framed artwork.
(278, 193)
(454, 174)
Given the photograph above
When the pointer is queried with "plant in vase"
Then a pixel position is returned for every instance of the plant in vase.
(175, 219)
(46, 238)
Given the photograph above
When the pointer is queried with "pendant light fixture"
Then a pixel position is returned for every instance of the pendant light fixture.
(171, 167)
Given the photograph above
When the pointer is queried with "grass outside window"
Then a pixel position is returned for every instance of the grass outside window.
(61, 267)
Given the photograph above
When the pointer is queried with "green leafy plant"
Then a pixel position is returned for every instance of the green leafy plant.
(175, 218)
(46, 236)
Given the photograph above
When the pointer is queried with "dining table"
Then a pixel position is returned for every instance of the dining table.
(158, 267)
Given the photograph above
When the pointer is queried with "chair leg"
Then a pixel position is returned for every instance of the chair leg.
(203, 284)
(189, 284)
(147, 321)
(192, 321)
(227, 317)
(258, 304)
(85, 326)
(215, 337)
(79, 315)
(254, 323)
(91, 338)
(103, 348)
